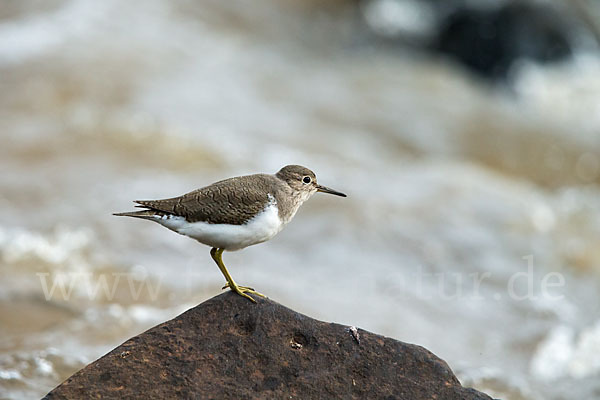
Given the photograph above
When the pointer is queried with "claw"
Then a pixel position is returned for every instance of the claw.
(216, 254)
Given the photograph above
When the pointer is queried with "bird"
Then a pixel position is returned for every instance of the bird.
(235, 213)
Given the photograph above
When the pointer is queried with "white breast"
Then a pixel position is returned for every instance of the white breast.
(230, 237)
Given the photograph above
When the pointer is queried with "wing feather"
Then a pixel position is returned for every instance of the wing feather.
(231, 201)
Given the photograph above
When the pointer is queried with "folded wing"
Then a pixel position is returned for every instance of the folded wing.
(232, 201)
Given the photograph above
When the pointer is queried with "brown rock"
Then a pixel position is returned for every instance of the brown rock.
(228, 347)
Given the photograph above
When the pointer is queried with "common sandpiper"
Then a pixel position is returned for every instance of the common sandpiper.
(235, 213)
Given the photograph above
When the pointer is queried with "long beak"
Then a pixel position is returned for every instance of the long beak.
(325, 189)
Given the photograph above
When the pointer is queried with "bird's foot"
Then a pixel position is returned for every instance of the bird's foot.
(241, 287)
(242, 290)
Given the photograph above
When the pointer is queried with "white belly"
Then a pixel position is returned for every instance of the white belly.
(229, 237)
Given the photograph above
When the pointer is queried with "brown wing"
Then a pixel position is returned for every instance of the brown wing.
(231, 201)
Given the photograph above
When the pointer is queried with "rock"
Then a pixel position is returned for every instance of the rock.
(489, 40)
(228, 347)
(486, 37)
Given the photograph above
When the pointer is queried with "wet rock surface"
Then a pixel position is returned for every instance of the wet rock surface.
(228, 347)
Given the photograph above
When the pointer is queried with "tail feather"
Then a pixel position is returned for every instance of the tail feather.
(144, 214)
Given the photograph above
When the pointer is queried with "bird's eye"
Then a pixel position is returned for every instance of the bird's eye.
(306, 179)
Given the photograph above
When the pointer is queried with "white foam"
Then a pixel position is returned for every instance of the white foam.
(43, 366)
(55, 248)
(8, 374)
(34, 36)
(565, 354)
(151, 315)
(553, 354)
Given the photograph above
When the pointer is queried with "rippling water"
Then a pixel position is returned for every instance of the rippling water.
(471, 226)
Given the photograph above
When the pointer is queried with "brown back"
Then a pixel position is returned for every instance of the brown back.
(230, 201)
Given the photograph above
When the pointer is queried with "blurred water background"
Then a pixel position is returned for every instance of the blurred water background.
(466, 196)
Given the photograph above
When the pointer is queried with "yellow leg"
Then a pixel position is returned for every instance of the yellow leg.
(216, 255)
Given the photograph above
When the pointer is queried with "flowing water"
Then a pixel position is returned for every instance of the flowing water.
(472, 221)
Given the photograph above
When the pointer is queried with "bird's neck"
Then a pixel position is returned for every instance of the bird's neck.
(289, 202)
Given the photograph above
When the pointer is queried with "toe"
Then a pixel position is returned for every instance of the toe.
(257, 293)
(248, 297)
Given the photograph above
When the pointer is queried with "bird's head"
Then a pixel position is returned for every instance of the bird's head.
(303, 181)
